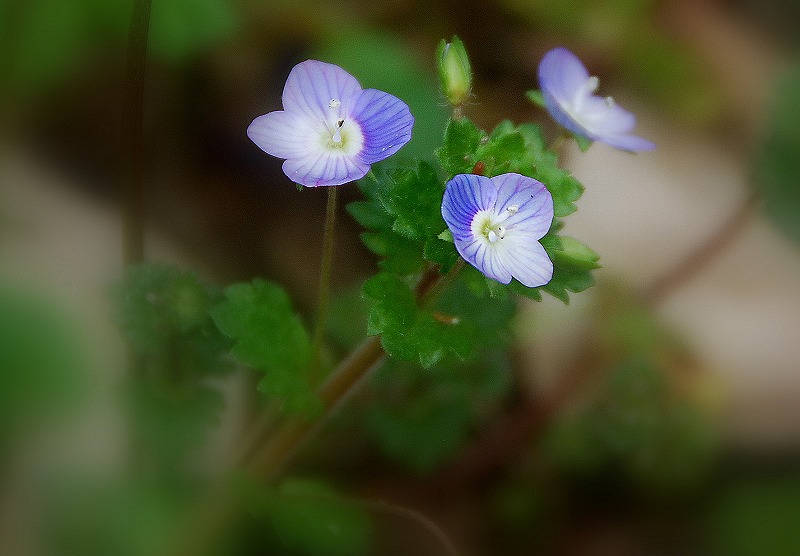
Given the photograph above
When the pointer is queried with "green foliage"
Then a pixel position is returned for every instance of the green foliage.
(41, 365)
(519, 149)
(309, 517)
(182, 28)
(420, 418)
(778, 168)
(460, 323)
(51, 39)
(402, 212)
(93, 518)
(757, 517)
(164, 313)
(270, 337)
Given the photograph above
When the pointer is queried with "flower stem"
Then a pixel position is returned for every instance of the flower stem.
(323, 299)
(133, 135)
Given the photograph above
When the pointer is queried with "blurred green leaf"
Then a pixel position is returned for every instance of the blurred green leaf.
(757, 517)
(420, 418)
(309, 518)
(778, 167)
(164, 313)
(182, 28)
(42, 366)
(269, 337)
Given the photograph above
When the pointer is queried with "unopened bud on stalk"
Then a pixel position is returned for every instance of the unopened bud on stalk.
(455, 72)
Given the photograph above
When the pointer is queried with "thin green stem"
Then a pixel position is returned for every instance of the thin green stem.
(323, 299)
(133, 134)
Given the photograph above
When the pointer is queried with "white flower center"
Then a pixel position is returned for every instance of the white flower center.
(489, 225)
(340, 134)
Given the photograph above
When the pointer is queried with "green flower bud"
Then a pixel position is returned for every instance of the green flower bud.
(455, 72)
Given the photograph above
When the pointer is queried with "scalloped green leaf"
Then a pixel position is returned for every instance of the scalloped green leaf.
(269, 336)
(461, 140)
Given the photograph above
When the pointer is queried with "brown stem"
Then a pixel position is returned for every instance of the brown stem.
(699, 258)
(133, 134)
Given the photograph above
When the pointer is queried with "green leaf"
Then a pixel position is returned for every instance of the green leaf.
(459, 324)
(370, 214)
(309, 518)
(269, 337)
(778, 168)
(461, 140)
(400, 254)
(422, 417)
(414, 199)
(442, 252)
(536, 97)
(583, 143)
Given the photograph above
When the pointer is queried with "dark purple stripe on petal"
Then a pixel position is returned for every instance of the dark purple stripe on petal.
(386, 124)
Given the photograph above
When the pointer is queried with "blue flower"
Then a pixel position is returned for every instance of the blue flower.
(497, 224)
(330, 129)
(568, 92)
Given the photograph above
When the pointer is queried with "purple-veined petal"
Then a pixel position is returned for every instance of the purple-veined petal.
(284, 134)
(312, 85)
(497, 223)
(386, 123)
(324, 168)
(530, 201)
(599, 115)
(484, 258)
(525, 259)
(470, 192)
(331, 130)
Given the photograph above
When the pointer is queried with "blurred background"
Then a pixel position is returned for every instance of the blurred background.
(657, 413)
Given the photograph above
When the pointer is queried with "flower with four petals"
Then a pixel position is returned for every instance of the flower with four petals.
(497, 224)
(330, 129)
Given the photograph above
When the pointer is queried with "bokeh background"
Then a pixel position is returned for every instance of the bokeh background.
(657, 413)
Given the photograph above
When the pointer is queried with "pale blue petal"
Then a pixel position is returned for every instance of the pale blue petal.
(284, 134)
(562, 75)
(324, 168)
(631, 143)
(486, 259)
(534, 203)
(563, 79)
(525, 259)
(386, 123)
(599, 118)
(312, 85)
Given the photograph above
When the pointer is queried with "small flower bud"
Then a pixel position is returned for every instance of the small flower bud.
(455, 73)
